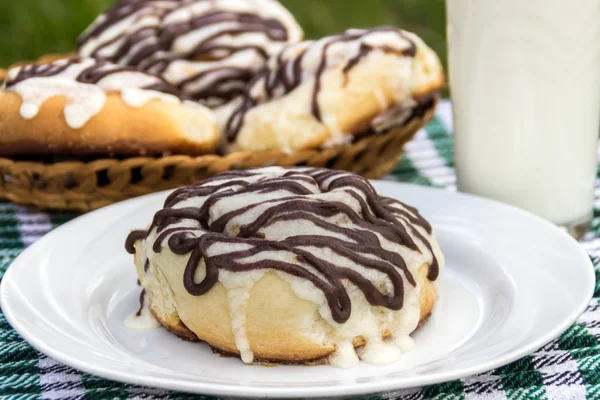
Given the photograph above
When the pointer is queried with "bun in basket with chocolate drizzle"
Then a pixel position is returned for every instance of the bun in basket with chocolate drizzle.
(291, 265)
(86, 106)
(317, 93)
(208, 49)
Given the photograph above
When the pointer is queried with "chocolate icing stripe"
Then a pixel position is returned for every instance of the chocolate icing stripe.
(133, 237)
(39, 71)
(413, 215)
(164, 217)
(394, 232)
(219, 224)
(142, 296)
(336, 295)
(197, 190)
(364, 237)
(247, 23)
(193, 230)
(288, 70)
(151, 40)
(357, 251)
(229, 85)
(121, 10)
(90, 75)
(157, 246)
(128, 44)
(417, 219)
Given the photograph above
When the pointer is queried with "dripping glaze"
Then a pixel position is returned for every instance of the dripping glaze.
(208, 49)
(309, 60)
(193, 223)
(84, 82)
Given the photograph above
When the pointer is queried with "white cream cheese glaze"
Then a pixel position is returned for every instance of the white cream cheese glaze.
(209, 49)
(327, 233)
(142, 319)
(84, 82)
(307, 62)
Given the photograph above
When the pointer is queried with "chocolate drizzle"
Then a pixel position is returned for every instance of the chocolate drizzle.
(126, 48)
(194, 230)
(133, 237)
(295, 65)
(152, 46)
(91, 75)
(142, 296)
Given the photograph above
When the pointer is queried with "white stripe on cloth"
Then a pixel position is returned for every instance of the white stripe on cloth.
(483, 387)
(592, 247)
(58, 381)
(444, 113)
(424, 156)
(597, 191)
(140, 392)
(591, 319)
(406, 394)
(560, 374)
(33, 224)
(564, 385)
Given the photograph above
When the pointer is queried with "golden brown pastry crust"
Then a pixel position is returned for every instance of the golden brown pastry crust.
(157, 127)
(275, 319)
(348, 102)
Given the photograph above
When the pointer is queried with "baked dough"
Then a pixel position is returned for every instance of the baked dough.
(85, 106)
(209, 49)
(319, 93)
(291, 265)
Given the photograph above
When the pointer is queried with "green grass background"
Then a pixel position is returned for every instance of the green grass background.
(31, 28)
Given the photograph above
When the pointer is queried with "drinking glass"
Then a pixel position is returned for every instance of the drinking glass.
(525, 87)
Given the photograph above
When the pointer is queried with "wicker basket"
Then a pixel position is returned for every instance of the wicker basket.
(84, 186)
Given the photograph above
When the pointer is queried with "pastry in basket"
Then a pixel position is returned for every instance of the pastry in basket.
(317, 93)
(291, 265)
(82, 106)
(209, 49)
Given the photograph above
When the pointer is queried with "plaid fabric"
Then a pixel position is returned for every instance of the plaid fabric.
(567, 368)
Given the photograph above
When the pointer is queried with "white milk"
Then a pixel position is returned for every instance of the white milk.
(525, 84)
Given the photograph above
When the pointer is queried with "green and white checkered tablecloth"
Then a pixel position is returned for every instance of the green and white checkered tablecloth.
(567, 368)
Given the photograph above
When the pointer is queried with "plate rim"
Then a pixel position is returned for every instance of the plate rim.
(354, 388)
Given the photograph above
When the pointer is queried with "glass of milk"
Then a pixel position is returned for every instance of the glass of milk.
(525, 87)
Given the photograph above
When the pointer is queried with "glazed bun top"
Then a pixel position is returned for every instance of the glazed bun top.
(110, 77)
(126, 33)
(85, 82)
(308, 63)
(210, 49)
(323, 227)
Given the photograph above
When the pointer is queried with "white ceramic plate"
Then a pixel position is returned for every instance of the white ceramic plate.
(512, 283)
